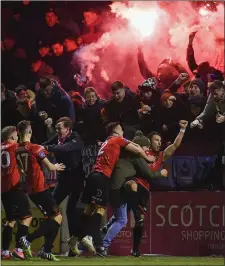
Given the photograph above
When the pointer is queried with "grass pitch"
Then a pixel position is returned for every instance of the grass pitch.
(145, 260)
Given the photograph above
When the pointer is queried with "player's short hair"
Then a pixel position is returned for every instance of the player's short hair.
(24, 127)
(153, 133)
(216, 85)
(7, 131)
(67, 122)
(117, 85)
(111, 127)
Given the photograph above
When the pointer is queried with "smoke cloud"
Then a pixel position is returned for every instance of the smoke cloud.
(162, 30)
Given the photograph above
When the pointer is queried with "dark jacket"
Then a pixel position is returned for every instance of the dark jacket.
(126, 111)
(129, 167)
(93, 127)
(68, 153)
(59, 105)
(190, 57)
(62, 66)
(171, 82)
(38, 127)
(171, 117)
(8, 108)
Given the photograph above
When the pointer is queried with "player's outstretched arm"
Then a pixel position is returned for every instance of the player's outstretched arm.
(53, 167)
(169, 151)
(136, 149)
(73, 145)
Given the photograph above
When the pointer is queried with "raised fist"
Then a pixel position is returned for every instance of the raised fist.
(183, 76)
(164, 128)
(48, 122)
(191, 37)
(164, 172)
(183, 124)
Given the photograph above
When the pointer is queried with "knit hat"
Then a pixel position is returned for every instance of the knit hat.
(199, 83)
(140, 139)
(165, 96)
(148, 84)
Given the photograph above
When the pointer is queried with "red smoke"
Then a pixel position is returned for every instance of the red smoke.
(162, 30)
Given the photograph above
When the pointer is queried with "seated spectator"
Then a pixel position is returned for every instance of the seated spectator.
(92, 26)
(15, 67)
(44, 51)
(62, 67)
(54, 100)
(25, 19)
(70, 44)
(123, 107)
(52, 29)
(40, 68)
(66, 20)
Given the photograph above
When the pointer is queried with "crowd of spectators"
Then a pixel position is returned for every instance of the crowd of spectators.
(38, 84)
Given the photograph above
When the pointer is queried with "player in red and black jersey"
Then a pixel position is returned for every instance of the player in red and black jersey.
(29, 158)
(14, 200)
(142, 187)
(96, 192)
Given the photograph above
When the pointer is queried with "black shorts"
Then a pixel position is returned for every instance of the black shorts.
(16, 205)
(117, 197)
(45, 202)
(96, 190)
(143, 197)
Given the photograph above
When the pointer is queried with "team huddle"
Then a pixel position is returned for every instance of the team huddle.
(121, 177)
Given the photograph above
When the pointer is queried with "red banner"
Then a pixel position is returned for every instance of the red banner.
(180, 224)
(188, 223)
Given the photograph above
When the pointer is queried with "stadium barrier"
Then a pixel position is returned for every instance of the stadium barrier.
(176, 224)
(179, 224)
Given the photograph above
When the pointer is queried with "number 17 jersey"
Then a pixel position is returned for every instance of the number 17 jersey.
(29, 157)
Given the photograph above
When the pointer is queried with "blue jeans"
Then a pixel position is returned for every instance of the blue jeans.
(120, 215)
